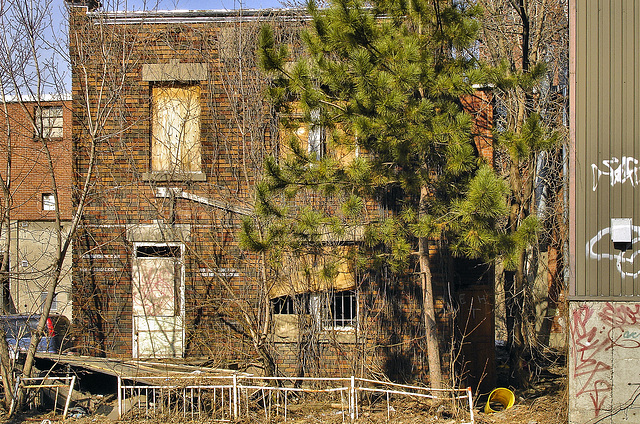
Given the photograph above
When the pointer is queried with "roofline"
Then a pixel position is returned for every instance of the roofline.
(198, 16)
(55, 97)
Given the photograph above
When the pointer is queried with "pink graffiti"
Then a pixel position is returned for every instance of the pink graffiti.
(620, 315)
(590, 339)
(586, 345)
(154, 292)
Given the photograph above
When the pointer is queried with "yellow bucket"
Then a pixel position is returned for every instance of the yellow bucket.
(500, 395)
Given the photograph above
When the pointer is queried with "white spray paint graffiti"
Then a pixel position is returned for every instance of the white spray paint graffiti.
(619, 171)
(624, 259)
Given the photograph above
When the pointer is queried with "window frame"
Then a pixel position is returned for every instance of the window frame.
(316, 136)
(54, 302)
(45, 125)
(322, 307)
(48, 202)
(175, 159)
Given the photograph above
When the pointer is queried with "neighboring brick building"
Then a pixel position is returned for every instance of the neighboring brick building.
(158, 271)
(32, 215)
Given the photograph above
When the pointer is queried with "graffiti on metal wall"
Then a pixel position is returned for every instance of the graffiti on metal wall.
(619, 171)
(594, 333)
(624, 259)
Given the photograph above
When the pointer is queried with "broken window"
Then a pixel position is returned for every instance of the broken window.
(49, 122)
(290, 305)
(317, 136)
(319, 285)
(48, 202)
(175, 144)
(332, 310)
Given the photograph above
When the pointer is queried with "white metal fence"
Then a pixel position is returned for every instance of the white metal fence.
(232, 398)
(59, 388)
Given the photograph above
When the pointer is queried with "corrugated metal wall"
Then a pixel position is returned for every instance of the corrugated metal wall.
(607, 137)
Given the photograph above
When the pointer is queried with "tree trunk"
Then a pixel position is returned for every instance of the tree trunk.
(261, 345)
(7, 374)
(429, 312)
(517, 338)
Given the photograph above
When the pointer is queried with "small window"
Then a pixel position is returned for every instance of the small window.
(158, 251)
(340, 310)
(317, 136)
(49, 122)
(48, 202)
(175, 144)
(54, 303)
(290, 305)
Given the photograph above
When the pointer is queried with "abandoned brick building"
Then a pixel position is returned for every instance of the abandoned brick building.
(171, 121)
(32, 229)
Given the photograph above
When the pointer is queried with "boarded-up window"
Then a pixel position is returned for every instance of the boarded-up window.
(176, 129)
(333, 269)
(49, 121)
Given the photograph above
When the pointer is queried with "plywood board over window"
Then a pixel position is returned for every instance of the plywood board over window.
(176, 129)
(306, 273)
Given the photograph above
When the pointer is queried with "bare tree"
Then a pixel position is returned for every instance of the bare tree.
(35, 69)
(528, 41)
(190, 204)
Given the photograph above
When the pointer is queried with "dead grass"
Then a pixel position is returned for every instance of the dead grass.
(548, 409)
(545, 403)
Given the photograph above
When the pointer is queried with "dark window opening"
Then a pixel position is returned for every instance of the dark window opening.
(288, 305)
(158, 251)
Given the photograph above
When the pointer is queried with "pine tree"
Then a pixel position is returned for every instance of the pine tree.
(384, 79)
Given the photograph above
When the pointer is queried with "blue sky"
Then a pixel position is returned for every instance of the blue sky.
(57, 9)
(59, 16)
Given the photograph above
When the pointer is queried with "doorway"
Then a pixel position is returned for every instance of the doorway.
(158, 300)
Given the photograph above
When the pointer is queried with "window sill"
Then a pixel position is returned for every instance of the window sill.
(53, 139)
(346, 337)
(174, 176)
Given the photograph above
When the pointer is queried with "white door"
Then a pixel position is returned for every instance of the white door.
(158, 299)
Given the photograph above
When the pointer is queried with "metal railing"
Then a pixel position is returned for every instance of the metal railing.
(229, 398)
(32, 388)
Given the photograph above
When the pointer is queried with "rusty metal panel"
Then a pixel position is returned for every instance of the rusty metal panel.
(607, 156)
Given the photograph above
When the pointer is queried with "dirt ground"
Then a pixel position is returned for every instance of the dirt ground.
(544, 403)
(550, 408)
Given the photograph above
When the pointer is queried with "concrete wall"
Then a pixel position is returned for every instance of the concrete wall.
(603, 363)
(33, 251)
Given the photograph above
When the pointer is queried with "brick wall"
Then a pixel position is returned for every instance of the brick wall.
(220, 280)
(30, 168)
